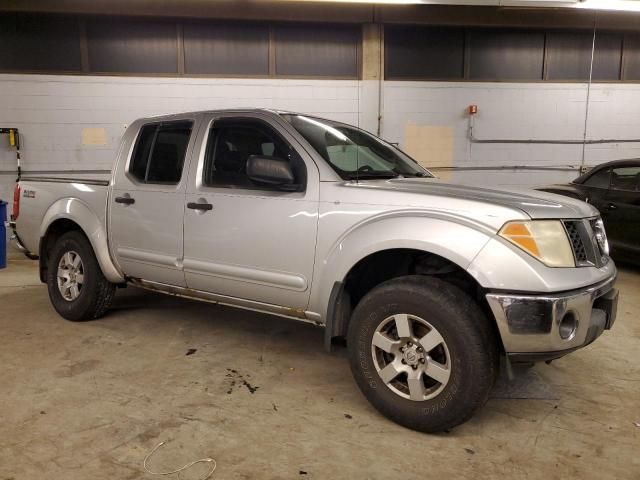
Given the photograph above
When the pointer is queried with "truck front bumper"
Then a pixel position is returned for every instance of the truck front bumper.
(544, 327)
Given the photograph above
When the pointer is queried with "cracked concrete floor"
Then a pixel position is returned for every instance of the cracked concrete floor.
(259, 394)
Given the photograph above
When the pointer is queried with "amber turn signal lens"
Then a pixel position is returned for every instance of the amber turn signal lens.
(545, 240)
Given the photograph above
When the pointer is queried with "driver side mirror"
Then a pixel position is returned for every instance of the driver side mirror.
(272, 171)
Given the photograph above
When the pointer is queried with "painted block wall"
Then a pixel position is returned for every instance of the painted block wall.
(51, 112)
(518, 111)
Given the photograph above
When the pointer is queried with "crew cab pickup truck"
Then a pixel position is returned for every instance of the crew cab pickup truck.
(430, 283)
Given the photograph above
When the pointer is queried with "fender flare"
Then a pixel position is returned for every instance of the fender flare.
(79, 212)
(456, 239)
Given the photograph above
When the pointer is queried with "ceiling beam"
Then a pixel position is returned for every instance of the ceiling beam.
(347, 12)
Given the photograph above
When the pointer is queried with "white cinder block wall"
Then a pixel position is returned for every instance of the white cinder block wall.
(539, 111)
(51, 112)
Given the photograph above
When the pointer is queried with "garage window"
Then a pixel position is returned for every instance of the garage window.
(158, 156)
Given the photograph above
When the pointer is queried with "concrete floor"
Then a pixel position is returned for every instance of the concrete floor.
(259, 394)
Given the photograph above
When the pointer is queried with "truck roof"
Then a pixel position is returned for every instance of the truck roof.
(224, 110)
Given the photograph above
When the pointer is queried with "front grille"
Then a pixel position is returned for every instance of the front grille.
(586, 250)
(579, 251)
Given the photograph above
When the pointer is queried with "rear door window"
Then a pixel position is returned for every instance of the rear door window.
(158, 157)
(625, 178)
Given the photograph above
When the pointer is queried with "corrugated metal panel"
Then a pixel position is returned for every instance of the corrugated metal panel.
(314, 50)
(236, 49)
(607, 56)
(39, 43)
(569, 56)
(506, 55)
(424, 53)
(632, 57)
(126, 45)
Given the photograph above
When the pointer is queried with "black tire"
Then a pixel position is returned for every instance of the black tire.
(468, 337)
(96, 292)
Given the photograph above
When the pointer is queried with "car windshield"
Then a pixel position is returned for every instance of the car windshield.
(354, 153)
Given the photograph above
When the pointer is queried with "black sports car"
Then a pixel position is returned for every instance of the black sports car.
(614, 189)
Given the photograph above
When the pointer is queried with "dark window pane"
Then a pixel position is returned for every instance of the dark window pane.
(424, 53)
(506, 55)
(136, 46)
(168, 145)
(39, 42)
(230, 146)
(313, 50)
(569, 56)
(226, 49)
(140, 159)
(169, 149)
(599, 179)
(625, 178)
(632, 57)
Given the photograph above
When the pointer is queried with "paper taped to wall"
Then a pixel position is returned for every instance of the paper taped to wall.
(430, 145)
(94, 136)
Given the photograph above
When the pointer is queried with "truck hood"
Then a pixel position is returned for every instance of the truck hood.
(534, 204)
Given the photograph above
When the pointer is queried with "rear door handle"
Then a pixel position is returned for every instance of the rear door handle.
(611, 206)
(199, 206)
(125, 200)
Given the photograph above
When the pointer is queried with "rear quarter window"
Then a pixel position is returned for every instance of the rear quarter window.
(599, 179)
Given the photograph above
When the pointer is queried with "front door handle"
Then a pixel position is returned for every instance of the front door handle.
(199, 206)
(125, 200)
(611, 206)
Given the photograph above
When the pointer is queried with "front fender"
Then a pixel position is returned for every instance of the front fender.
(457, 240)
(79, 212)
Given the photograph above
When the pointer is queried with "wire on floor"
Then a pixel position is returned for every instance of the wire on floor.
(177, 471)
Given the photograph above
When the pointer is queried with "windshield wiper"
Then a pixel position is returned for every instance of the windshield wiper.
(372, 175)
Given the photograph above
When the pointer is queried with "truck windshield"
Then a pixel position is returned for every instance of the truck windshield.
(354, 153)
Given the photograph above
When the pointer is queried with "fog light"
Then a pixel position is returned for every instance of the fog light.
(568, 326)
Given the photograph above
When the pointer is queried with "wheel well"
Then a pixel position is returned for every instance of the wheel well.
(55, 231)
(385, 265)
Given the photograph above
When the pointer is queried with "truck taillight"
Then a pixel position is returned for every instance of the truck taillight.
(16, 202)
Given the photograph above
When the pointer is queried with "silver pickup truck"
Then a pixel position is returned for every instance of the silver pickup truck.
(429, 283)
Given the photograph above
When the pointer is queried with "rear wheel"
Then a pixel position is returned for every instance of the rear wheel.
(77, 288)
(422, 352)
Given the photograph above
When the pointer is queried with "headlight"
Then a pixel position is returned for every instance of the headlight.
(601, 237)
(544, 239)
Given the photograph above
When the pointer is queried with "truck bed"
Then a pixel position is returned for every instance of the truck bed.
(39, 194)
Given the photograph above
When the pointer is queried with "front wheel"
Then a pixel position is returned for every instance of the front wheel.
(422, 352)
(77, 288)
